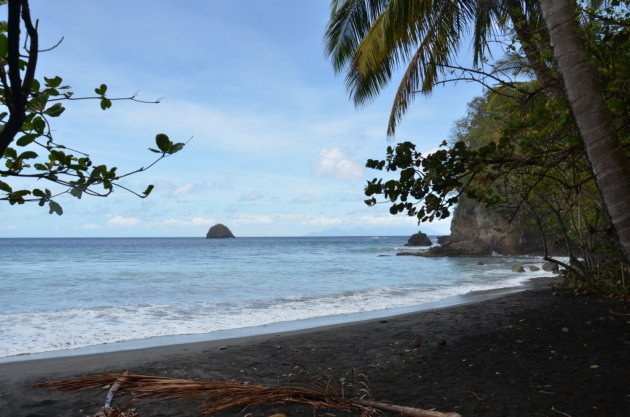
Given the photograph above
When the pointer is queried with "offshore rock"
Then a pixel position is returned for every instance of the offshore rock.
(219, 231)
(419, 239)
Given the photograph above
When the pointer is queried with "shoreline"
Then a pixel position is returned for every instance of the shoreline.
(528, 353)
(314, 323)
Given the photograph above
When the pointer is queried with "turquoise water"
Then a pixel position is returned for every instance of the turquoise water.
(68, 293)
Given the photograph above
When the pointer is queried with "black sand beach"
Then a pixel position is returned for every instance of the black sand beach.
(526, 354)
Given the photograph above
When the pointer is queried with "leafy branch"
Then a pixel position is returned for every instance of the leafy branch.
(27, 105)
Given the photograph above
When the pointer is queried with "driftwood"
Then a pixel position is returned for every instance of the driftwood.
(108, 410)
(115, 386)
(223, 395)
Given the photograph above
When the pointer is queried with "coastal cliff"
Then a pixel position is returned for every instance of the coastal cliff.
(479, 231)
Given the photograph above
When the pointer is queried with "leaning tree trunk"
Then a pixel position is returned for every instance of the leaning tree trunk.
(610, 165)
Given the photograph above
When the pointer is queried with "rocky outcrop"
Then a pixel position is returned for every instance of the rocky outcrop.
(460, 248)
(478, 231)
(442, 240)
(419, 239)
(550, 267)
(219, 231)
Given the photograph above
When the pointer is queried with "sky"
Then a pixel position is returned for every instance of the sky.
(276, 148)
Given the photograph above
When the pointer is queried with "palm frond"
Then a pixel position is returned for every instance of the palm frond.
(220, 396)
(371, 39)
(436, 50)
(486, 15)
(514, 65)
(350, 20)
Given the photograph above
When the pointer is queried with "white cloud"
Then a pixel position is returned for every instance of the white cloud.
(386, 220)
(302, 199)
(225, 183)
(251, 196)
(325, 221)
(90, 226)
(253, 219)
(123, 221)
(195, 221)
(334, 163)
(183, 189)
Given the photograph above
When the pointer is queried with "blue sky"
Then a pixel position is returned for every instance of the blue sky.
(277, 148)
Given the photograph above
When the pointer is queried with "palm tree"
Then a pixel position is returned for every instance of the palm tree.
(370, 39)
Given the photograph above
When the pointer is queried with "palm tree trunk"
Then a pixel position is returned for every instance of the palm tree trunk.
(610, 165)
(525, 32)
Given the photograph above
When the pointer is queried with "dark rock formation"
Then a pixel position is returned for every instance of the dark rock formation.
(442, 240)
(478, 231)
(419, 239)
(460, 248)
(550, 267)
(219, 231)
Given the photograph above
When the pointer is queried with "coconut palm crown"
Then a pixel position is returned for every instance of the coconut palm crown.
(370, 39)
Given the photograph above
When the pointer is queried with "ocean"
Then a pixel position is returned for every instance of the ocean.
(57, 295)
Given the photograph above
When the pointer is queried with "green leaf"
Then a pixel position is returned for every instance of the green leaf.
(39, 193)
(39, 102)
(53, 82)
(10, 153)
(176, 148)
(106, 103)
(101, 90)
(18, 196)
(55, 208)
(35, 86)
(5, 187)
(26, 139)
(148, 190)
(77, 192)
(55, 110)
(28, 155)
(38, 125)
(163, 142)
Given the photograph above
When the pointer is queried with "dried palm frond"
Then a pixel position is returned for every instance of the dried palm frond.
(223, 395)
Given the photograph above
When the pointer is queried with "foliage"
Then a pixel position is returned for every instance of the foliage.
(518, 150)
(531, 166)
(607, 32)
(370, 39)
(28, 107)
